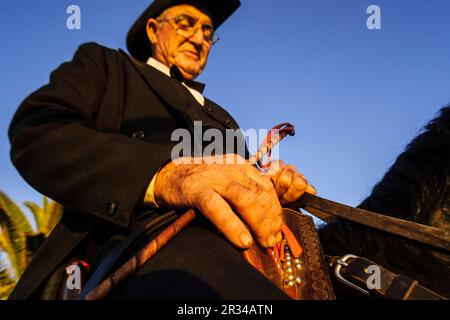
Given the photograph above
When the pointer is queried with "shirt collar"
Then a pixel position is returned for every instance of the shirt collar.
(158, 66)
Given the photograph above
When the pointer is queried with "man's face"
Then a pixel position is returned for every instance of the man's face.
(174, 46)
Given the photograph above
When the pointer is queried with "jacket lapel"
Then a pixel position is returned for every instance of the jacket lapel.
(172, 92)
(219, 114)
(164, 87)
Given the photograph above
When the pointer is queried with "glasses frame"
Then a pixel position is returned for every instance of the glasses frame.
(192, 30)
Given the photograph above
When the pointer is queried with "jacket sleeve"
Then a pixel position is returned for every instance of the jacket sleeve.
(58, 150)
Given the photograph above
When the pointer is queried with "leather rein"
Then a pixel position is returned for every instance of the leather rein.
(329, 211)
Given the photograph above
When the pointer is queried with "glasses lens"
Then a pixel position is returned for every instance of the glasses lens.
(208, 33)
(185, 22)
(186, 28)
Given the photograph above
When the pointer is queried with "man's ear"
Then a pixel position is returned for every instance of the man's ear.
(152, 28)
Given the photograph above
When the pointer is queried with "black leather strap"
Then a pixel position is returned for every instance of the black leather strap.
(121, 249)
(330, 211)
(401, 288)
(359, 272)
(110, 260)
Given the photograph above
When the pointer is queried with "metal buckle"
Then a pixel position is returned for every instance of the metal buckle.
(337, 271)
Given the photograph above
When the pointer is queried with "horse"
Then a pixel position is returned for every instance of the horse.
(415, 188)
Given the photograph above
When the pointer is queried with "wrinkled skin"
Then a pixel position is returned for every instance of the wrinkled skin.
(233, 195)
(190, 55)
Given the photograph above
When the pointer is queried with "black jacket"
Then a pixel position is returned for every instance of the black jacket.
(92, 139)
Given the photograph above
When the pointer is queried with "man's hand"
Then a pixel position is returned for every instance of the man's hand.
(226, 194)
(231, 195)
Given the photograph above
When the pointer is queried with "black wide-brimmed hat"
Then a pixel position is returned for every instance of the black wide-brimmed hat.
(138, 43)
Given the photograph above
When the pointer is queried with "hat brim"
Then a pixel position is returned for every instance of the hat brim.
(138, 44)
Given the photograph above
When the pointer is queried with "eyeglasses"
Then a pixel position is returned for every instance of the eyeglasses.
(185, 26)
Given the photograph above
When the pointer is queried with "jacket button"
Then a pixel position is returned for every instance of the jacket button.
(138, 135)
(227, 121)
(111, 209)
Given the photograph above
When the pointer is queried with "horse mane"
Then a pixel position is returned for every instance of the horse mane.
(415, 188)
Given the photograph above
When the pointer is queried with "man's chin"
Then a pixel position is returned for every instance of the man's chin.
(189, 72)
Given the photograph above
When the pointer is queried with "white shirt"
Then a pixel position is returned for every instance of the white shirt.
(165, 69)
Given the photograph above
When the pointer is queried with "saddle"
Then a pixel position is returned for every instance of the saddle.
(298, 267)
(303, 275)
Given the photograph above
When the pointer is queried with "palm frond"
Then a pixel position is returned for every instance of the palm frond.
(13, 243)
(37, 212)
(15, 214)
(7, 284)
(17, 239)
(53, 212)
(5, 278)
(6, 289)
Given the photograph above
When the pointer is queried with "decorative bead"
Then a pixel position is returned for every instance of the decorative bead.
(298, 280)
(297, 261)
(290, 283)
(291, 277)
(298, 266)
(288, 264)
(289, 270)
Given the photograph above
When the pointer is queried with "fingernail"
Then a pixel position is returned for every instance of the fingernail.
(246, 240)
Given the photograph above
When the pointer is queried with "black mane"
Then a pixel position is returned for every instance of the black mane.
(416, 188)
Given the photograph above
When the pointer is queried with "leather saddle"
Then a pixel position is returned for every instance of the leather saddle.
(304, 277)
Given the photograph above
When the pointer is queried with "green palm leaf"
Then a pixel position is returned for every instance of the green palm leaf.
(13, 243)
(15, 214)
(38, 214)
(6, 285)
(17, 239)
(46, 217)
(5, 277)
(5, 291)
(53, 212)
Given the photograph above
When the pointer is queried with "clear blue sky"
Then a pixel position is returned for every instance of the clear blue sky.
(356, 96)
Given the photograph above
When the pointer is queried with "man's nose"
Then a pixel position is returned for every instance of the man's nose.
(197, 37)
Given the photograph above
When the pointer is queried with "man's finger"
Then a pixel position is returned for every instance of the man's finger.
(259, 209)
(217, 210)
(284, 181)
(296, 190)
(311, 190)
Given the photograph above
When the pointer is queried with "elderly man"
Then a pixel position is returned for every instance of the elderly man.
(97, 139)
